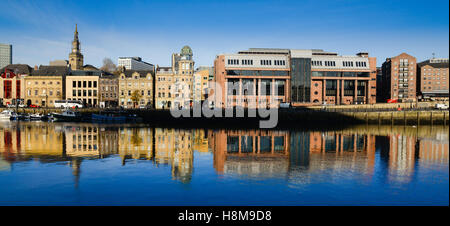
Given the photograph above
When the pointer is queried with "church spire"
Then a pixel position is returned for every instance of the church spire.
(75, 36)
(75, 57)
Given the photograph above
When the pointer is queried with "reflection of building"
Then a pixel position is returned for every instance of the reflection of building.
(108, 141)
(268, 153)
(136, 143)
(348, 150)
(82, 140)
(250, 152)
(434, 150)
(31, 139)
(174, 147)
(200, 140)
(402, 153)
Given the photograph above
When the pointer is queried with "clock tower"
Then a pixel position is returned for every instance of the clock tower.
(75, 57)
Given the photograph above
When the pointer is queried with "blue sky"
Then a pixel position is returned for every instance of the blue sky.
(41, 31)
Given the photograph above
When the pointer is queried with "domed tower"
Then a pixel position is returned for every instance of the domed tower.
(75, 57)
(186, 64)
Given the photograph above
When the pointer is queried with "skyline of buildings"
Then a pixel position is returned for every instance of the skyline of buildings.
(249, 78)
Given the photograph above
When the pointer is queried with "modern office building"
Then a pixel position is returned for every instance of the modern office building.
(5, 55)
(340, 80)
(83, 86)
(250, 78)
(301, 77)
(12, 83)
(131, 81)
(399, 78)
(135, 63)
(432, 79)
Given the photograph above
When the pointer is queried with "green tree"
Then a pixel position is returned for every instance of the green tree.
(135, 97)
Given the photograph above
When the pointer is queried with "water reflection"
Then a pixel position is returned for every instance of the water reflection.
(294, 155)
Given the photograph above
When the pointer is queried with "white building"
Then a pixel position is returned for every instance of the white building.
(135, 63)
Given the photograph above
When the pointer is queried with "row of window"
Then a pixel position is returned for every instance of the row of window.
(266, 62)
(43, 83)
(84, 93)
(257, 73)
(279, 62)
(339, 74)
(333, 63)
(250, 62)
(149, 93)
(84, 84)
(50, 92)
(233, 61)
(247, 62)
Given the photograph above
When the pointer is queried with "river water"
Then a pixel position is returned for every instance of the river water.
(96, 164)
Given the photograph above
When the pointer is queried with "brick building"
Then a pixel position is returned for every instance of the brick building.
(399, 78)
(432, 79)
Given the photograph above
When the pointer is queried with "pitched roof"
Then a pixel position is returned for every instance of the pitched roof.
(45, 70)
(142, 73)
(435, 65)
(18, 68)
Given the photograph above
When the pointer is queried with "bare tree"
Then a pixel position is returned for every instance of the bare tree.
(108, 65)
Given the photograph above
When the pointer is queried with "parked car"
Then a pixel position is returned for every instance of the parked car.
(441, 106)
(33, 106)
(22, 105)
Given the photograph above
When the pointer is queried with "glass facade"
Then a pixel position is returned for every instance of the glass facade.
(300, 79)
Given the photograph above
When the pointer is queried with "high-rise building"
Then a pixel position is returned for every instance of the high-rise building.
(5, 55)
(135, 63)
(432, 79)
(399, 78)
